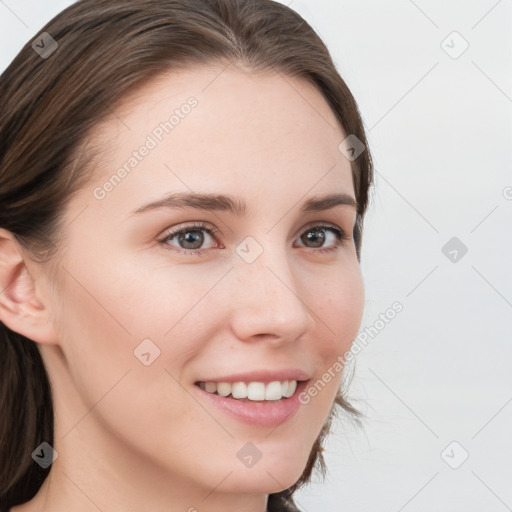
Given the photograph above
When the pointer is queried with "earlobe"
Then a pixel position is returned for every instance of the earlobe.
(21, 310)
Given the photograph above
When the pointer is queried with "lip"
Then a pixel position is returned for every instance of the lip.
(256, 413)
(265, 376)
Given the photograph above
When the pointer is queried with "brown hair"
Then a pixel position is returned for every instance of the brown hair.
(49, 106)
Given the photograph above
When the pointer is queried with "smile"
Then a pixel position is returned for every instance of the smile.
(254, 403)
(253, 391)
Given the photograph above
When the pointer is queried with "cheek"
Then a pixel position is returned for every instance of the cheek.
(340, 308)
(114, 315)
(97, 344)
(101, 324)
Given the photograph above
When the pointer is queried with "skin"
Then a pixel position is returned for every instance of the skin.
(131, 437)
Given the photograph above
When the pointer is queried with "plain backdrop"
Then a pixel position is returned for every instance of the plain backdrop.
(434, 85)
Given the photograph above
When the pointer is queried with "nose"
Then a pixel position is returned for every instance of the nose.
(267, 301)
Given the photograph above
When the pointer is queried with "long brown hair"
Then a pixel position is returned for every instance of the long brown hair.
(49, 106)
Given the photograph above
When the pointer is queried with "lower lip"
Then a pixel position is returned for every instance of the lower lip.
(258, 413)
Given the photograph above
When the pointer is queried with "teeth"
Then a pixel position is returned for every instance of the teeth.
(238, 390)
(211, 387)
(252, 390)
(255, 391)
(275, 390)
(223, 388)
(292, 386)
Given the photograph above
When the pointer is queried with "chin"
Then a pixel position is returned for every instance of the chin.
(266, 478)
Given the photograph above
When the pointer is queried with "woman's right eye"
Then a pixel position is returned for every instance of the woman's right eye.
(189, 235)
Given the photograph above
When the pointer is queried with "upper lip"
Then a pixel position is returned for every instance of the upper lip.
(262, 376)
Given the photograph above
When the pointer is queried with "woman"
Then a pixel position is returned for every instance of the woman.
(182, 189)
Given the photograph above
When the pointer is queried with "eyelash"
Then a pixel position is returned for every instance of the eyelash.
(340, 235)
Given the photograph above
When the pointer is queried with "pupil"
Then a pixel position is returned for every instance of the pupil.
(313, 237)
(188, 237)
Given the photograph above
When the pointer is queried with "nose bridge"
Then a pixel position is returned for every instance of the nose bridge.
(267, 298)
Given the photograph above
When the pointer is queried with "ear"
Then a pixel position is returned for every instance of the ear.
(21, 309)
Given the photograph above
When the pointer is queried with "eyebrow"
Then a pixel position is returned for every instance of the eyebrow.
(230, 204)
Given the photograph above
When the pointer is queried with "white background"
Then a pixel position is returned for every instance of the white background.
(440, 133)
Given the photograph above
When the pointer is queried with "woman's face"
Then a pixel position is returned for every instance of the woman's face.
(253, 290)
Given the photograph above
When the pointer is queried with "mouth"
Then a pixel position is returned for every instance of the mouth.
(255, 403)
(251, 391)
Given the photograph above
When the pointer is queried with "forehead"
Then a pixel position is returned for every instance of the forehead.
(198, 127)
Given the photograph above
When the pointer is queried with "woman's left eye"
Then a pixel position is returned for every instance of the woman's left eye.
(316, 234)
(191, 238)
